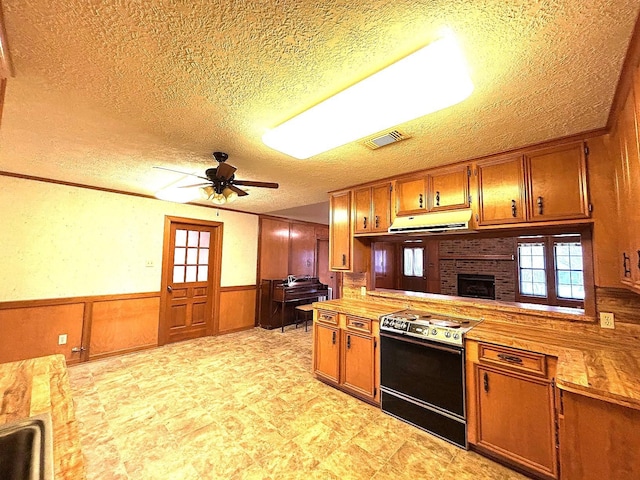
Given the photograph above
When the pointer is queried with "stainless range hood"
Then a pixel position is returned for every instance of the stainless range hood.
(437, 222)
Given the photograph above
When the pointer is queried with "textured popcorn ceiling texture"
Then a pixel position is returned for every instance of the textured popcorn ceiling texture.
(105, 89)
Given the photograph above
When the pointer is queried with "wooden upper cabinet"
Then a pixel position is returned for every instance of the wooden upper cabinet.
(340, 231)
(501, 191)
(411, 196)
(302, 254)
(557, 183)
(362, 207)
(372, 207)
(448, 188)
(381, 207)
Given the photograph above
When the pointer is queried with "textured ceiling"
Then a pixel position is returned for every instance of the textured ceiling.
(105, 89)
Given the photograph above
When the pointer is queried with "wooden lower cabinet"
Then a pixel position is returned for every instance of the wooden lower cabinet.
(511, 407)
(345, 354)
(599, 440)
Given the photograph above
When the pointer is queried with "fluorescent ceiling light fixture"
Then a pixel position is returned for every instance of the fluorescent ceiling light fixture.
(428, 80)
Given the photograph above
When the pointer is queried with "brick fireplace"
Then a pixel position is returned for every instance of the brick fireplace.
(482, 256)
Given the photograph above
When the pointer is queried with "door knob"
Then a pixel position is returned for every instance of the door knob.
(169, 289)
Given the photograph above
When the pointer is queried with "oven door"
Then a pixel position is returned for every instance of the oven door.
(425, 371)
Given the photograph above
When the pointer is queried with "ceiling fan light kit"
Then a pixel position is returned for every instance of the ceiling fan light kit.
(428, 80)
(221, 185)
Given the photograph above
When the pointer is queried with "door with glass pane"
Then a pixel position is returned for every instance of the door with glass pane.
(414, 277)
(190, 278)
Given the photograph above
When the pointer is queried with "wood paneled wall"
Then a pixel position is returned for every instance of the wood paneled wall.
(237, 308)
(31, 329)
(624, 304)
(121, 326)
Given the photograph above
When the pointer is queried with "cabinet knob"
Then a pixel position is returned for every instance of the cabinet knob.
(437, 199)
(514, 211)
(540, 209)
(420, 201)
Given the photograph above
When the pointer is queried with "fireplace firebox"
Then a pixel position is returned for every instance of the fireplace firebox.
(477, 286)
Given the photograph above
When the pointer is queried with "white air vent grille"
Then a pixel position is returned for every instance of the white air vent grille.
(381, 139)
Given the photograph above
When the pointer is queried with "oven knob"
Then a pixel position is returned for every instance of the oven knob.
(447, 334)
(456, 336)
(434, 331)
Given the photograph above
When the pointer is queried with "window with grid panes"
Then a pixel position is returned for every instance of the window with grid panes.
(191, 256)
(551, 270)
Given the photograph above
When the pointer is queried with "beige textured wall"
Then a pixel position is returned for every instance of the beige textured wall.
(59, 241)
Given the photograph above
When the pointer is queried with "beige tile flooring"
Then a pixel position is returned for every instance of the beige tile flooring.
(246, 406)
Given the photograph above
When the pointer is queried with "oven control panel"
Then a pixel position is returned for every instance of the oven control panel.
(421, 329)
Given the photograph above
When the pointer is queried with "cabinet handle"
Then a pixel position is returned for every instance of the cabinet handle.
(513, 209)
(625, 259)
(333, 338)
(420, 201)
(358, 324)
(486, 382)
(638, 259)
(364, 222)
(510, 358)
(344, 259)
(540, 206)
(348, 342)
(437, 199)
(377, 221)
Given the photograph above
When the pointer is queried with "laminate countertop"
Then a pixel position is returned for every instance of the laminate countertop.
(41, 385)
(600, 364)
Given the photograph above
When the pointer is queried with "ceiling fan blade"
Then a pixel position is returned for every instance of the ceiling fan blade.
(250, 183)
(239, 191)
(178, 171)
(225, 171)
(196, 185)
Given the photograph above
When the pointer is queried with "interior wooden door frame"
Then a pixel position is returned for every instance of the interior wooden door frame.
(213, 278)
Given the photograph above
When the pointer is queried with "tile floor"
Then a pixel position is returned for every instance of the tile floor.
(246, 406)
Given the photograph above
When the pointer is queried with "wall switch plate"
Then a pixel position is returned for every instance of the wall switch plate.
(62, 339)
(149, 263)
(607, 320)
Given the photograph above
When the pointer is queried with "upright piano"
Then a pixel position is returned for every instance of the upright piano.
(278, 298)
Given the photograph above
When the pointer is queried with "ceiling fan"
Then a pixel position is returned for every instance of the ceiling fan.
(221, 185)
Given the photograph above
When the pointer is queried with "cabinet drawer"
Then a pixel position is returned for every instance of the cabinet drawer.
(327, 317)
(358, 324)
(527, 362)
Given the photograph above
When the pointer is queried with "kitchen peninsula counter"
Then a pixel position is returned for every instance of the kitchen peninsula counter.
(41, 385)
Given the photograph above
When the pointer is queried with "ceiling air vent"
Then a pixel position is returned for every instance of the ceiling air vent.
(380, 140)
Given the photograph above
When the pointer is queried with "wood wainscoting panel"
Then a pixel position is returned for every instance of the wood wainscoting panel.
(32, 331)
(237, 308)
(124, 325)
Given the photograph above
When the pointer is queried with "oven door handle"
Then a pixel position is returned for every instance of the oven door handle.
(434, 345)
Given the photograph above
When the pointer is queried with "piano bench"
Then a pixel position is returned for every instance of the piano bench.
(306, 312)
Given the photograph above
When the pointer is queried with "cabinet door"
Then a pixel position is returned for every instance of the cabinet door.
(501, 191)
(340, 231)
(327, 352)
(411, 196)
(358, 372)
(381, 207)
(516, 419)
(362, 206)
(557, 183)
(449, 188)
(302, 255)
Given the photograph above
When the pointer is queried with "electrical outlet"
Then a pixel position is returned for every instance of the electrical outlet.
(149, 263)
(62, 339)
(606, 320)
(363, 291)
